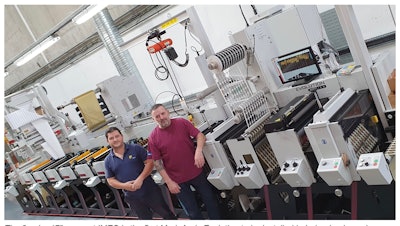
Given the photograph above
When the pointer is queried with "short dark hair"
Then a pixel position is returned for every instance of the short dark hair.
(156, 106)
(112, 129)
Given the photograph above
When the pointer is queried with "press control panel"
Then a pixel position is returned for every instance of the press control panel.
(295, 173)
(248, 176)
(334, 172)
(220, 178)
(374, 169)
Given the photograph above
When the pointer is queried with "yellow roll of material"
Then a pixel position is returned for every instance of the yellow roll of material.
(90, 110)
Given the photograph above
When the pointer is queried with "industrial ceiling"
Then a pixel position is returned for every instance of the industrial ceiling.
(27, 25)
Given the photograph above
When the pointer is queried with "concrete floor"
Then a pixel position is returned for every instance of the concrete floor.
(13, 211)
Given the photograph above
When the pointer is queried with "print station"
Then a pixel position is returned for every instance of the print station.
(291, 131)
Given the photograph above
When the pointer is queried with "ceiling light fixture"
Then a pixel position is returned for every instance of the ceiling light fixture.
(88, 13)
(49, 41)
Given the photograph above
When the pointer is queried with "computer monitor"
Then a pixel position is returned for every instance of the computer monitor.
(300, 66)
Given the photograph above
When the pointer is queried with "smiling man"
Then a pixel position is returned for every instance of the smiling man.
(128, 167)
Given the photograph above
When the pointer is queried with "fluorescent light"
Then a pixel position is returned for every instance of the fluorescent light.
(37, 50)
(88, 13)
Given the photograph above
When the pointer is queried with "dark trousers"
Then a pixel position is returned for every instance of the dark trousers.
(154, 202)
(188, 198)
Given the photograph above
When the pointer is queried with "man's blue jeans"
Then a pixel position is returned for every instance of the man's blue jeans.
(188, 198)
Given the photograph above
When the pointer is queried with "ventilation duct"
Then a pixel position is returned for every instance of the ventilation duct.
(112, 39)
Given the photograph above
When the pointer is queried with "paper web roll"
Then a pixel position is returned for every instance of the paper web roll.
(226, 58)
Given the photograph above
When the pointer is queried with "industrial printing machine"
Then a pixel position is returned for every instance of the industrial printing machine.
(271, 171)
(309, 144)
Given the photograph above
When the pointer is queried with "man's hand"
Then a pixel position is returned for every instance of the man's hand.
(199, 159)
(173, 187)
(137, 184)
(129, 185)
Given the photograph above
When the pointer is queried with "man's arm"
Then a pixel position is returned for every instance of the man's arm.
(113, 182)
(148, 168)
(173, 187)
(198, 155)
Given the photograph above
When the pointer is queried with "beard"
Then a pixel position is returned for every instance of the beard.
(164, 123)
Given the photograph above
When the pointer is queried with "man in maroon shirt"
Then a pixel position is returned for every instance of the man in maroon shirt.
(180, 162)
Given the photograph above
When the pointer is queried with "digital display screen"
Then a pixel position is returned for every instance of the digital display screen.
(300, 64)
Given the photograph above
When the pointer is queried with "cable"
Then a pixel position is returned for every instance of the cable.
(392, 14)
(167, 91)
(158, 69)
(176, 88)
(254, 9)
(172, 100)
(163, 69)
(186, 52)
(172, 104)
(193, 47)
(184, 33)
(184, 64)
(245, 20)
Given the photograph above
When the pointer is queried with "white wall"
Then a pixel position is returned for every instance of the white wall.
(374, 20)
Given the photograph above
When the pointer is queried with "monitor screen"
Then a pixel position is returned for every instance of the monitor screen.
(298, 65)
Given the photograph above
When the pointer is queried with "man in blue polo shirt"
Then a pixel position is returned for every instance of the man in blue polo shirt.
(128, 167)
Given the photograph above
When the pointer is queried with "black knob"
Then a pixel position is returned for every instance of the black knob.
(286, 164)
(295, 164)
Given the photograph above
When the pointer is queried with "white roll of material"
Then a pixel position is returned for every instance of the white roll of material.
(226, 58)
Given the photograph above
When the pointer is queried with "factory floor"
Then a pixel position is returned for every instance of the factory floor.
(13, 211)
